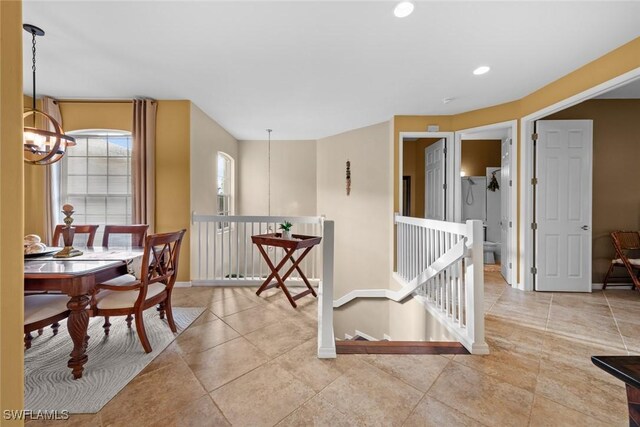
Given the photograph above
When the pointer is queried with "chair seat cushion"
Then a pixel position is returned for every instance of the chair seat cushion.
(633, 261)
(108, 299)
(123, 280)
(43, 306)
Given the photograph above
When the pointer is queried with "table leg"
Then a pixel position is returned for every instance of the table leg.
(265, 284)
(78, 324)
(274, 273)
(633, 401)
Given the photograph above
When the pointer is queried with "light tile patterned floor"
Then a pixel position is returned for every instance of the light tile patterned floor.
(250, 361)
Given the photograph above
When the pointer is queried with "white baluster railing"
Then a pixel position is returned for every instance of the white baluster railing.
(222, 252)
(455, 294)
(441, 264)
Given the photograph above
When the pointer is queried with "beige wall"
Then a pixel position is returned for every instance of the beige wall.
(363, 220)
(479, 154)
(11, 210)
(413, 165)
(293, 178)
(616, 175)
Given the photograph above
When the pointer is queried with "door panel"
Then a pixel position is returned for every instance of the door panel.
(434, 180)
(563, 207)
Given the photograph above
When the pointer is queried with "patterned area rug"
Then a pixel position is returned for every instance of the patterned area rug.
(113, 362)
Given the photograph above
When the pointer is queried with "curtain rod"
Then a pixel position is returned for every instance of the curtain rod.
(94, 101)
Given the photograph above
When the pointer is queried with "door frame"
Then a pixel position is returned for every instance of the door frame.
(513, 199)
(449, 177)
(526, 277)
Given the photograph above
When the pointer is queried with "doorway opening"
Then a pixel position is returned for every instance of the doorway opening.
(485, 170)
(425, 175)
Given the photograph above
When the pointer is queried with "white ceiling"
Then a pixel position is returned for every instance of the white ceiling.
(312, 69)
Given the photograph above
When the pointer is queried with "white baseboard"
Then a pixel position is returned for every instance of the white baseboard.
(182, 285)
(620, 285)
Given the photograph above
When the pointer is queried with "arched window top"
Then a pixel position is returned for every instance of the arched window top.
(224, 183)
(224, 173)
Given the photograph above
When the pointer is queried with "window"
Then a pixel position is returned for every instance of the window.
(225, 186)
(96, 179)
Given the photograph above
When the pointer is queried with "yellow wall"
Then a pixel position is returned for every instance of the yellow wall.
(615, 63)
(11, 209)
(172, 163)
(173, 174)
(479, 154)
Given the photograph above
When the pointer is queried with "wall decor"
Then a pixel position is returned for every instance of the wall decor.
(348, 177)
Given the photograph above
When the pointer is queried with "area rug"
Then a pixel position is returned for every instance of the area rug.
(113, 362)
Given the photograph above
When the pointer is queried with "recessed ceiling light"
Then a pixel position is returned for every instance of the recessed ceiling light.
(403, 9)
(481, 70)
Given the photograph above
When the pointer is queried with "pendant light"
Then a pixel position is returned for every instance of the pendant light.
(42, 146)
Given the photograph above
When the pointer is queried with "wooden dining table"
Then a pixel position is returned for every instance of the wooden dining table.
(77, 277)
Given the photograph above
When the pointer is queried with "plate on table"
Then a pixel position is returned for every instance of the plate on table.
(48, 251)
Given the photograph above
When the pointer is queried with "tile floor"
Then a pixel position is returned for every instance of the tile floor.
(250, 361)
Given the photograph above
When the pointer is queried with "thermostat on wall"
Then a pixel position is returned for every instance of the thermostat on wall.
(433, 128)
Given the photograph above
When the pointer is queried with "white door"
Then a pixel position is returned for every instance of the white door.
(434, 185)
(505, 203)
(563, 205)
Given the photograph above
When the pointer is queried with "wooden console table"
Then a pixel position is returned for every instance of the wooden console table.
(627, 369)
(297, 242)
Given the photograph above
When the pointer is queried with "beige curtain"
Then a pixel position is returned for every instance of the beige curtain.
(143, 162)
(51, 176)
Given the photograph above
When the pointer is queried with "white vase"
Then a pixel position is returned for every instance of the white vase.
(286, 234)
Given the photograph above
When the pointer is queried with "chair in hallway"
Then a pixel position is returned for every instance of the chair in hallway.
(132, 298)
(89, 230)
(136, 231)
(625, 243)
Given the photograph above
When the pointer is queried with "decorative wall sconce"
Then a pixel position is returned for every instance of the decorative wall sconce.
(348, 177)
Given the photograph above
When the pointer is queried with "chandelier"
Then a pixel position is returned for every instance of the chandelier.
(47, 145)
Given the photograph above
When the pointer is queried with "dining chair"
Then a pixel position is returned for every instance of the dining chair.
(158, 275)
(624, 244)
(43, 310)
(136, 231)
(89, 230)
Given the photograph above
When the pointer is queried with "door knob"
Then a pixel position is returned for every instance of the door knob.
(585, 227)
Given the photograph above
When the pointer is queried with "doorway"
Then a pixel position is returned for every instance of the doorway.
(485, 168)
(424, 163)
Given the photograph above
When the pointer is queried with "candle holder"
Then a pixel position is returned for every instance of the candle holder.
(68, 232)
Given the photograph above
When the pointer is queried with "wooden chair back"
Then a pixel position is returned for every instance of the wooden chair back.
(625, 241)
(136, 231)
(89, 230)
(160, 261)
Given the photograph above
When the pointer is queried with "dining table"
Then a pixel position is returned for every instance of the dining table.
(77, 277)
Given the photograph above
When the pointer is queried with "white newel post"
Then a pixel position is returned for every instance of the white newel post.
(474, 283)
(326, 340)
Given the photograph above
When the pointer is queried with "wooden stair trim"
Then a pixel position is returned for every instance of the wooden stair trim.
(400, 347)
